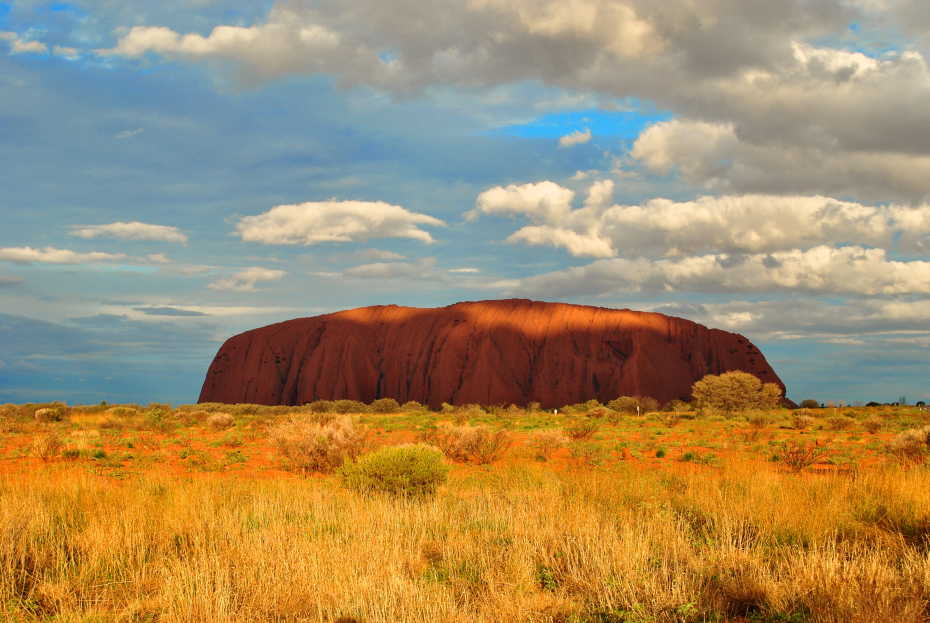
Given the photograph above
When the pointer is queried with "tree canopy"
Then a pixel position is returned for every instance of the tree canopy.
(735, 391)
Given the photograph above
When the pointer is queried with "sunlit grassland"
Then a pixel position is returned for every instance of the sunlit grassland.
(740, 538)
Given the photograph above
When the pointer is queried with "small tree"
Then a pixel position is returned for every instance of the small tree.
(810, 404)
(735, 391)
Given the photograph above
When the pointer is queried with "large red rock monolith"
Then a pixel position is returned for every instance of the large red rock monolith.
(487, 352)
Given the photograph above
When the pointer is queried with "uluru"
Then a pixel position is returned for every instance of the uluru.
(486, 352)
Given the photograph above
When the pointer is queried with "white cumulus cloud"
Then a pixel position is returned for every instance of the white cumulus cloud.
(728, 224)
(335, 221)
(18, 45)
(52, 255)
(130, 231)
(246, 280)
(577, 137)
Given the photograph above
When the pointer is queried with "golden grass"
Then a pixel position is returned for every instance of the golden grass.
(514, 543)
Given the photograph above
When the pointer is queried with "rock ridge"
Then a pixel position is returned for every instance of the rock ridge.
(487, 352)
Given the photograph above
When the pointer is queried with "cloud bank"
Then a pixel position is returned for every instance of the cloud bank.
(723, 224)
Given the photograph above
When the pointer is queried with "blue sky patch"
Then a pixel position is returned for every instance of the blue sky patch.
(615, 124)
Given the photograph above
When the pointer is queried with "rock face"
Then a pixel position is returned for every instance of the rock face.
(488, 352)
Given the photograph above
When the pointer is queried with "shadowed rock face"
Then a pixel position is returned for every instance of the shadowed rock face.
(488, 352)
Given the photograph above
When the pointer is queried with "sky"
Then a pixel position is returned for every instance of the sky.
(177, 172)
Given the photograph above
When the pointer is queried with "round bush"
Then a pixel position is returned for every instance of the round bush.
(349, 406)
(412, 470)
(321, 406)
(385, 405)
(53, 414)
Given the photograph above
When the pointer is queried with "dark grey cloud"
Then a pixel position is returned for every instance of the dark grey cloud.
(748, 66)
(102, 357)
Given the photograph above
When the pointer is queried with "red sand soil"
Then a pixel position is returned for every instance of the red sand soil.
(490, 352)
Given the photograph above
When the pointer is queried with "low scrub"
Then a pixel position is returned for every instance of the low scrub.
(160, 419)
(413, 470)
(349, 406)
(582, 429)
(220, 421)
(52, 414)
(46, 446)
(321, 406)
(840, 422)
(310, 446)
(911, 446)
(873, 425)
(634, 404)
(384, 405)
(479, 444)
(544, 443)
(797, 456)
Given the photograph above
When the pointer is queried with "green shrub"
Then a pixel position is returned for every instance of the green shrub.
(349, 406)
(246, 409)
(159, 420)
(413, 405)
(384, 405)
(322, 406)
(413, 470)
(677, 406)
(634, 404)
(581, 407)
(71, 454)
(809, 404)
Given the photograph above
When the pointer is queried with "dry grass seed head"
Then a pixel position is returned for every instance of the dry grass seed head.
(307, 445)
(46, 446)
(544, 443)
(911, 446)
(464, 443)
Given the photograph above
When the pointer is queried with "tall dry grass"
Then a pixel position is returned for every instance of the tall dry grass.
(515, 544)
